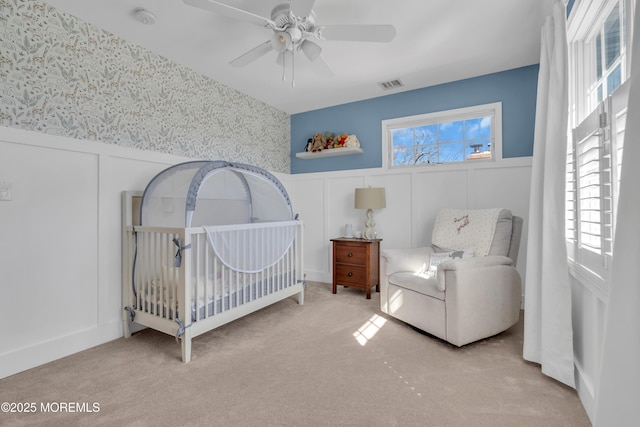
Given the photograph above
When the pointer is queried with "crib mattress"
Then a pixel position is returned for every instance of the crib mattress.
(223, 301)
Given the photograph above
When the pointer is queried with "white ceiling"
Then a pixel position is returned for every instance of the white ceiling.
(437, 41)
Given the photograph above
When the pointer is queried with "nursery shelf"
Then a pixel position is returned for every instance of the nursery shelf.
(329, 153)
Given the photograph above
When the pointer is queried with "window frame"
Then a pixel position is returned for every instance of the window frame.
(598, 37)
(585, 21)
(590, 118)
(438, 117)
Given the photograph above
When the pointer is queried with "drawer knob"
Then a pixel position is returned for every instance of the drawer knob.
(350, 274)
(350, 254)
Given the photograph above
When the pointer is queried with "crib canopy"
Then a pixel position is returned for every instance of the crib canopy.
(203, 193)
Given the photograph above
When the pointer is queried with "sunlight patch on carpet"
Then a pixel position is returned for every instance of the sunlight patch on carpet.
(368, 330)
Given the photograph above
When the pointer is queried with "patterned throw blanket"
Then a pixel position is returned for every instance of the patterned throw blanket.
(464, 229)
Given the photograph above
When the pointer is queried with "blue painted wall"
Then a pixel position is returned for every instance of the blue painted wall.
(516, 89)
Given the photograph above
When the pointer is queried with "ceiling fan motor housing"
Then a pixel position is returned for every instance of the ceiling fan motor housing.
(283, 18)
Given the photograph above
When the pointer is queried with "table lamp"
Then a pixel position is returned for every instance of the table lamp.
(370, 199)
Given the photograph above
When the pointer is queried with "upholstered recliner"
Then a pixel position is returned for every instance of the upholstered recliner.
(465, 287)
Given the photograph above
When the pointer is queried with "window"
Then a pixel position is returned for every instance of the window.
(598, 46)
(463, 135)
(609, 54)
(598, 97)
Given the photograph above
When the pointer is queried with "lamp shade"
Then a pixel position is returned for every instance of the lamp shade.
(370, 198)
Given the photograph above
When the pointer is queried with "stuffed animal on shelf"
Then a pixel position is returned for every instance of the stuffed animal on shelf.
(351, 141)
(330, 137)
(319, 142)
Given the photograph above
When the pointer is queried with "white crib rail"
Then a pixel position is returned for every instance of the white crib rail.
(169, 297)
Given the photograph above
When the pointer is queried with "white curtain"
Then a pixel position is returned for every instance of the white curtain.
(548, 333)
(618, 391)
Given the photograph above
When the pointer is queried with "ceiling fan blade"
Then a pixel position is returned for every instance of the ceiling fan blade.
(255, 53)
(321, 68)
(230, 11)
(302, 8)
(311, 50)
(360, 33)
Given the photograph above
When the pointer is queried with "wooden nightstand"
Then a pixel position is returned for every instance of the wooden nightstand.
(356, 263)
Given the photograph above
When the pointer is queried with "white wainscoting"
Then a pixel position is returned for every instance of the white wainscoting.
(325, 203)
(60, 267)
(589, 304)
(60, 272)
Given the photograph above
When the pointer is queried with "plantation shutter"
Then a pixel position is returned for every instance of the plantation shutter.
(618, 107)
(592, 187)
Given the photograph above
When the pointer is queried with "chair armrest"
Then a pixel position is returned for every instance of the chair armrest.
(475, 262)
(395, 260)
(472, 263)
(410, 259)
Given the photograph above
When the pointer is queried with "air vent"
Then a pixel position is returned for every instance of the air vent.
(391, 84)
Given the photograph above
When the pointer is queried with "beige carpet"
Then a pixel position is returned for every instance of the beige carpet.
(291, 365)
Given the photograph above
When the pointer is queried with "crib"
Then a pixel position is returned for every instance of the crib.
(226, 254)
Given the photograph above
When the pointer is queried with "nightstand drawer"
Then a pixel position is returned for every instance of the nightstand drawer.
(351, 274)
(351, 254)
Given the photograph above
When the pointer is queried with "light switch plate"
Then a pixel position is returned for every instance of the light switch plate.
(5, 192)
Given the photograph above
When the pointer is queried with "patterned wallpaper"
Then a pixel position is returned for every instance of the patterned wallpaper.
(63, 76)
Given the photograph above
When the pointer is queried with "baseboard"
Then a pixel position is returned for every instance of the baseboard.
(318, 276)
(29, 357)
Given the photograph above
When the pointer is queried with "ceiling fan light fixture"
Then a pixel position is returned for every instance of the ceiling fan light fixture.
(281, 41)
(311, 50)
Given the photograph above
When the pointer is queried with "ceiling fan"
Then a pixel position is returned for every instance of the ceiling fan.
(294, 27)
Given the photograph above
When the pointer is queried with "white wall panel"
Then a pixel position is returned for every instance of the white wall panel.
(341, 208)
(491, 188)
(309, 204)
(60, 257)
(588, 318)
(433, 190)
(50, 243)
(393, 222)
